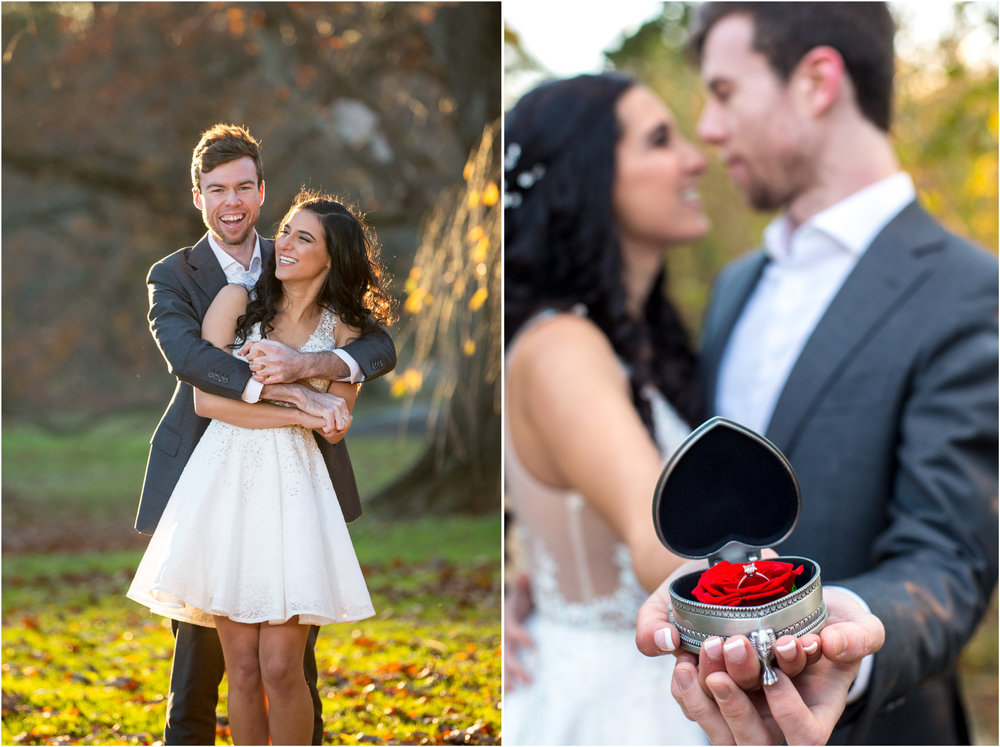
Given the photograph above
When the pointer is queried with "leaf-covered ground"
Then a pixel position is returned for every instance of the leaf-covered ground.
(83, 665)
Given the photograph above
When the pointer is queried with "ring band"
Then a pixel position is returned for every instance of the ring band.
(750, 571)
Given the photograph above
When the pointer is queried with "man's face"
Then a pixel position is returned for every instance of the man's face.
(751, 115)
(230, 200)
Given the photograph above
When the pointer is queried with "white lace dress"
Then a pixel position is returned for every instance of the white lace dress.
(253, 530)
(590, 685)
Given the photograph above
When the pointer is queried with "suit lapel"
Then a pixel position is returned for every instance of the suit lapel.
(884, 276)
(266, 250)
(205, 268)
(733, 297)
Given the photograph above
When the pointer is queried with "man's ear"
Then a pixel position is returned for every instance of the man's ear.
(196, 194)
(819, 79)
(262, 193)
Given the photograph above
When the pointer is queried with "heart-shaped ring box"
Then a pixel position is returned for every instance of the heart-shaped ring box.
(726, 494)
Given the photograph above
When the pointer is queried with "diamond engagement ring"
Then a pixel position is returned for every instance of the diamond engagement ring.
(750, 571)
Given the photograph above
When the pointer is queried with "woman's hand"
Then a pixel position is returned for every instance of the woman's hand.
(519, 605)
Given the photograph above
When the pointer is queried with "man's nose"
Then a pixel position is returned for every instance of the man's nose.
(710, 129)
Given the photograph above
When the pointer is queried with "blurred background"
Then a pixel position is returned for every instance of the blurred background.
(394, 106)
(945, 129)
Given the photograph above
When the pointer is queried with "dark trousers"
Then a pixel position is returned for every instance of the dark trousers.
(195, 675)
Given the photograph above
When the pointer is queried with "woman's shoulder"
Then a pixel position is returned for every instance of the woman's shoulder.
(230, 298)
(560, 329)
(561, 343)
(233, 293)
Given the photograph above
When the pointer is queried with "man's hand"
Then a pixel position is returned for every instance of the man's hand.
(815, 675)
(330, 407)
(519, 605)
(273, 362)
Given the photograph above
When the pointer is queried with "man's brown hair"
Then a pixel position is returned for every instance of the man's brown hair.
(221, 144)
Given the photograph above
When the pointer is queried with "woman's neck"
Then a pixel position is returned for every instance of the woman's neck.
(299, 301)
(641, 267)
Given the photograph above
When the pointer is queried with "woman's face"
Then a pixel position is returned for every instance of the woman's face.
(300, 248)
(655, 194)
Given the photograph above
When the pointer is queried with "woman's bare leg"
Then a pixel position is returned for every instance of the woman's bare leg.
(290, 706)
(247, 704)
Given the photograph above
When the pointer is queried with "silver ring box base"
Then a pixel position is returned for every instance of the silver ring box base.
(796, 614)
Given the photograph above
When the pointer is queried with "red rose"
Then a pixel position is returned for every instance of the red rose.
(746, 584)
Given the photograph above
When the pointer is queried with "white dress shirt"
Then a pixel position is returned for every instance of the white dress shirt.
(237, 274)
(808, 266)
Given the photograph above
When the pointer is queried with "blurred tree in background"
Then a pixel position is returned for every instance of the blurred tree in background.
(453, 299)
(103, 104)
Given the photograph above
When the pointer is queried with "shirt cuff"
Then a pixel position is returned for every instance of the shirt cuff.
(864, 675)
(356, 373)
(251, 392)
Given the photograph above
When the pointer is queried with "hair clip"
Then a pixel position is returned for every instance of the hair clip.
(511, 156)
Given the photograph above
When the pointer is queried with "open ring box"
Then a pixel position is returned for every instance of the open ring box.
(726, 494)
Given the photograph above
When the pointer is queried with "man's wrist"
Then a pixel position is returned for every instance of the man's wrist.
(289, 393)
(323, 365)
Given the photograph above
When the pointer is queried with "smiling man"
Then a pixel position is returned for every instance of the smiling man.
(228, 189)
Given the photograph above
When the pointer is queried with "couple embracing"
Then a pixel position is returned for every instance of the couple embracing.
(249, 486)
(861, 340)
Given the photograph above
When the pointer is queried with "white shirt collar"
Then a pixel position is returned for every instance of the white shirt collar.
(853, 223)
(226, 260)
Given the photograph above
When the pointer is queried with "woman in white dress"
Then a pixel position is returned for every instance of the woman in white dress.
(252, 540)
(600, 389)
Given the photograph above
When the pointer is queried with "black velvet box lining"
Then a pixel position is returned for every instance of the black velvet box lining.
(725, 483)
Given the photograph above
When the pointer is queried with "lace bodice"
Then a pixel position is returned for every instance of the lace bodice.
(581, 572)
(322, 338)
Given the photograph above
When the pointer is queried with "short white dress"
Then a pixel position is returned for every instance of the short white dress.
(253, 530)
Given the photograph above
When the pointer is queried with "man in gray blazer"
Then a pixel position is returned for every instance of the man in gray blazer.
(228, 189)
(862, 341)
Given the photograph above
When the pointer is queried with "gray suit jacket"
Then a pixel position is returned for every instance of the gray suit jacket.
(181, 288)
(889, 418)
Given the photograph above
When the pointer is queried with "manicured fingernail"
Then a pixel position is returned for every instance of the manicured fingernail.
(786, 650)
(663, 640)
(838, 644)
(736, 652)
(684, 678)
(713, 647)
(810, 648)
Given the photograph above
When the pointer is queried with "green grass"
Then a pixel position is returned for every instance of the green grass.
(99, 467)
(77, 469)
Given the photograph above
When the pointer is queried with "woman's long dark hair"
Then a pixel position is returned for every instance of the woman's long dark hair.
(355, 284)
(561, 243)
